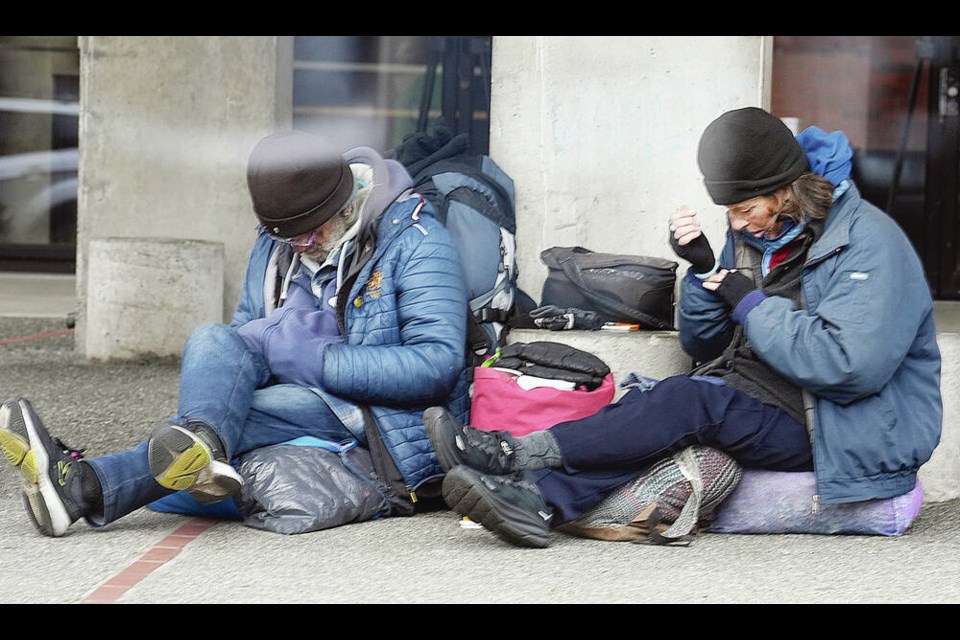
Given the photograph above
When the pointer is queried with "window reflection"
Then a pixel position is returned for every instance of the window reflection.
(370, 90)
(39, 109)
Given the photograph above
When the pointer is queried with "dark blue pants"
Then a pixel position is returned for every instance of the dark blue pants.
(615, 445)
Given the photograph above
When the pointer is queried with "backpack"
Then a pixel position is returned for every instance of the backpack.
(474, 199)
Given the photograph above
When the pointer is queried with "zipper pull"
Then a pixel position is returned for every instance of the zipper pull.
(815, 507)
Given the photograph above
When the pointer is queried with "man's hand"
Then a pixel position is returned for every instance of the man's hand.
(688, 241)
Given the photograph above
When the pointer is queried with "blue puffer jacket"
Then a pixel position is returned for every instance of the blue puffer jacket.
(864, 347)
(404, 340)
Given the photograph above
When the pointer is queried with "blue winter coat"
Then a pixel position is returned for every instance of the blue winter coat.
(409, 294)
(864, 346)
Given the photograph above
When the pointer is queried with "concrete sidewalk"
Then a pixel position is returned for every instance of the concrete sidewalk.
(150, 557)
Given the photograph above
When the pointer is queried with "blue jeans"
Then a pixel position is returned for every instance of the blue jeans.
(226, 386)
(615, 445)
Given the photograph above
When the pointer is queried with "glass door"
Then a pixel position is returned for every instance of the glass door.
(896, 98)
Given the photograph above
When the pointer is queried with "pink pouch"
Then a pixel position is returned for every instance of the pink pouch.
(500, 404)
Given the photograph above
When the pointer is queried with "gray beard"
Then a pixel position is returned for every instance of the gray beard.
(341, 225)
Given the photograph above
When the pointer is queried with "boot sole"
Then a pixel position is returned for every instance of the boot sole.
(443, 445)
(469, 496)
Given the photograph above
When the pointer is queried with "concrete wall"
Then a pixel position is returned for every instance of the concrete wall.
(166, 124)
(941, 476)
(600, 134)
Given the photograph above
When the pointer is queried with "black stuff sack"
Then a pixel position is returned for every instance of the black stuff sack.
(619, 287)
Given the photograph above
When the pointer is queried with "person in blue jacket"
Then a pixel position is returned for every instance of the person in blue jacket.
(351, 322)
(813, 332)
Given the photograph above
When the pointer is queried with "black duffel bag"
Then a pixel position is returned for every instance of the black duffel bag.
(619, 287)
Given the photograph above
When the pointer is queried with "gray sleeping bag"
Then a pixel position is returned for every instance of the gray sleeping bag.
(291, 488)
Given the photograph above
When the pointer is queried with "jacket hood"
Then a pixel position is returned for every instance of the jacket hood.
(390, 180)
(829, 154)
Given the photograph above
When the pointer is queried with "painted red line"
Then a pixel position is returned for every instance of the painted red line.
(157, 556)
(38, 336)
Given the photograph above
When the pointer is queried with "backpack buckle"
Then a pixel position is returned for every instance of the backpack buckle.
(489, 314)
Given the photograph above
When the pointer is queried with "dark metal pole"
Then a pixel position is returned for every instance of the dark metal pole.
(426, 98)
(922, 56)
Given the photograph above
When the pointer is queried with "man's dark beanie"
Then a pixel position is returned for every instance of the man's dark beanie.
(747, 153)
(297, 182)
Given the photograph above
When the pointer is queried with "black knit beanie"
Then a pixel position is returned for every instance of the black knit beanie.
(747, 153)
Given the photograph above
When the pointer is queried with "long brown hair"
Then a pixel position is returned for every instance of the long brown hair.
(811, 196)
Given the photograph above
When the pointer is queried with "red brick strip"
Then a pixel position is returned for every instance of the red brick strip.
(37, 336)
(161, 553)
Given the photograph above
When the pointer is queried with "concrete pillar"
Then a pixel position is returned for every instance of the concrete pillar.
(600, 134)
(166, 125)
(149, 294)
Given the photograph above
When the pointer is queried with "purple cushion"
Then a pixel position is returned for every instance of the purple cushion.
(781, 502)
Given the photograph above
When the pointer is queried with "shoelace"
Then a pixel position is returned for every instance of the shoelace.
(519, 479)
(76, 454)
(490, 445)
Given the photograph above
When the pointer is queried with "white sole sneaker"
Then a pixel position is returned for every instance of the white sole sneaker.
(180, 460)
(43, 484)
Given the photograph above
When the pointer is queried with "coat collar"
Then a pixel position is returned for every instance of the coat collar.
(836, 229)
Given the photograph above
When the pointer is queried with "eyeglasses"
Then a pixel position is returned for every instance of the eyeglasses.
(297, 241)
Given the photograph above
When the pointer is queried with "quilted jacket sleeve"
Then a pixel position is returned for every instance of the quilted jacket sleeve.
(414, 352)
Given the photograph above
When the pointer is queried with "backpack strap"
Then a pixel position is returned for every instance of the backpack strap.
(478, 342)
(679, 531)
(478, 303)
